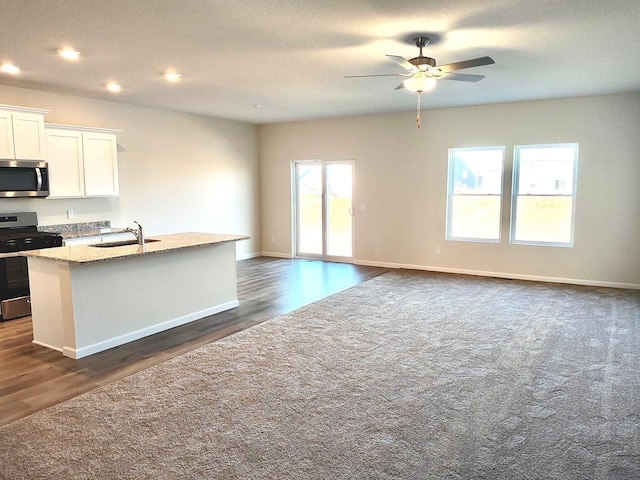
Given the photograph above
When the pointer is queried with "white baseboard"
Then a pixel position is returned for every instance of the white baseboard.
(276, 254)
(247, 256)
(480, 273)
(144, 332)
(42, 344)
(511, 276)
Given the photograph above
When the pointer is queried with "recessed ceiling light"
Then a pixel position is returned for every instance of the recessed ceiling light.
(113, 87)
(256, 105)
(172, 76)
(9, 68)
(69, 53)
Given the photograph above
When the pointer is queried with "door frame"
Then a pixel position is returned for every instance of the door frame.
(295, 239)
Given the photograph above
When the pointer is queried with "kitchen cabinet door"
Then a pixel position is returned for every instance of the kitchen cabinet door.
(22, 134)
(66, 164)
(100, 164)
(29, 139)
(7, 152)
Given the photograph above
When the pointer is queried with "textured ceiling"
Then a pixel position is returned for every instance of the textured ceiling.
(290, 56)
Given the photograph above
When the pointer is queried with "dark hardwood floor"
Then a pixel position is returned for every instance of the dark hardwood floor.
(34, 377)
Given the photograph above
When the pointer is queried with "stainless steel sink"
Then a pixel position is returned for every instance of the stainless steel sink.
(122, 243)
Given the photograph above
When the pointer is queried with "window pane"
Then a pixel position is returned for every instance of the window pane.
(543, 194)
(544, 219)
(546, 171)
(478, 171)
(310, 209)
(339, 203)
(475, 217)
(474, 193)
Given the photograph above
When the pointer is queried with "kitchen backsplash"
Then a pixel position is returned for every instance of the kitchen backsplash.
(71, 228)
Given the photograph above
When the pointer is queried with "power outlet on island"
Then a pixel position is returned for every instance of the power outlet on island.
(69, 213)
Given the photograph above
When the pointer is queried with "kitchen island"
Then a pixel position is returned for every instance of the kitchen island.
(87, 298)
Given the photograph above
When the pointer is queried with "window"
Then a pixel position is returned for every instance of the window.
(474, 194)
(543, 194)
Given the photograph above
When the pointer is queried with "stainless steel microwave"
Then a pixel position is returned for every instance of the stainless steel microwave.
(24, 178)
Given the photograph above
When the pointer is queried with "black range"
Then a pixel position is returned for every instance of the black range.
(19, 232)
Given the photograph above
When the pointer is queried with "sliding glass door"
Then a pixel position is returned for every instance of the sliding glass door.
(324, 209)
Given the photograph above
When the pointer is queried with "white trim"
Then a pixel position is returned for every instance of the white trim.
(276, 255)
(326, 259)
(248, 256)
(60, 126)
(511, 276)
(14, 108)
(145, 332)
(42, 344)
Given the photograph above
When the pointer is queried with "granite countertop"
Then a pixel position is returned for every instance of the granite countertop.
(82, 254)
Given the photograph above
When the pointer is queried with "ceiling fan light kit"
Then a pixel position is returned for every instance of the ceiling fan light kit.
(423, 72)
(419, 82)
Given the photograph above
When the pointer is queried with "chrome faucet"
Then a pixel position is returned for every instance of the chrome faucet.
(139, 233)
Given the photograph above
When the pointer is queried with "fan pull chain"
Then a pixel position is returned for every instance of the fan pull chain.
(418, 111)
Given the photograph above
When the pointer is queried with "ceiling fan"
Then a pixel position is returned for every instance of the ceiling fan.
(422, 72)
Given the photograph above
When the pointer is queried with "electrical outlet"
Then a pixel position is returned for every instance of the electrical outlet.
(273, 238)
(69, 213)
(437, 250)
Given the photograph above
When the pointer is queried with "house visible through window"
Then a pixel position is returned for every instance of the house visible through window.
(543, 194)
(474, 194)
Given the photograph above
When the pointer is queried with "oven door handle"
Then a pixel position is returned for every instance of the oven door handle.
(38, 179)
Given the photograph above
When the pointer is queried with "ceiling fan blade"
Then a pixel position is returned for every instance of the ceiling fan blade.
(463, 77)
(403, 62)
(400, 87)
(474, 62)
(379, 75)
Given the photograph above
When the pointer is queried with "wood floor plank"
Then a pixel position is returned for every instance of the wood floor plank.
(34, 377)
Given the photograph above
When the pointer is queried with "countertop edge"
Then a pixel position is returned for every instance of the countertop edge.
(87, 254)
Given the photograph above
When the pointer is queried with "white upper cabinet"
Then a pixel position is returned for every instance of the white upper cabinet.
(83, 162)
(22, 134)
(66, 163)
(6, 136)
(100, 164)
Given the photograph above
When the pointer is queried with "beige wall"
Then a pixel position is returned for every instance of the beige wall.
(401, 174)
(177, 172)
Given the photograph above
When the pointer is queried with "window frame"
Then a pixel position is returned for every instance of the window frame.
(515, 187)
(451, 194)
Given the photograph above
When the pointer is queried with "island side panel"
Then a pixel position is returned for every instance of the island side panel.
(46, 302)
(118, 301)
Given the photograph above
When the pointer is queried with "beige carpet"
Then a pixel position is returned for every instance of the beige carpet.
(407, 376)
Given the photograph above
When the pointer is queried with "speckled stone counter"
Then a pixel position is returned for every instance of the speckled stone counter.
(164, 243)
(86, 299)
(72, 230)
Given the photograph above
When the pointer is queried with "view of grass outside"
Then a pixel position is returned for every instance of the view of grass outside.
(310, 224)
(475, 217)
(543, 219)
